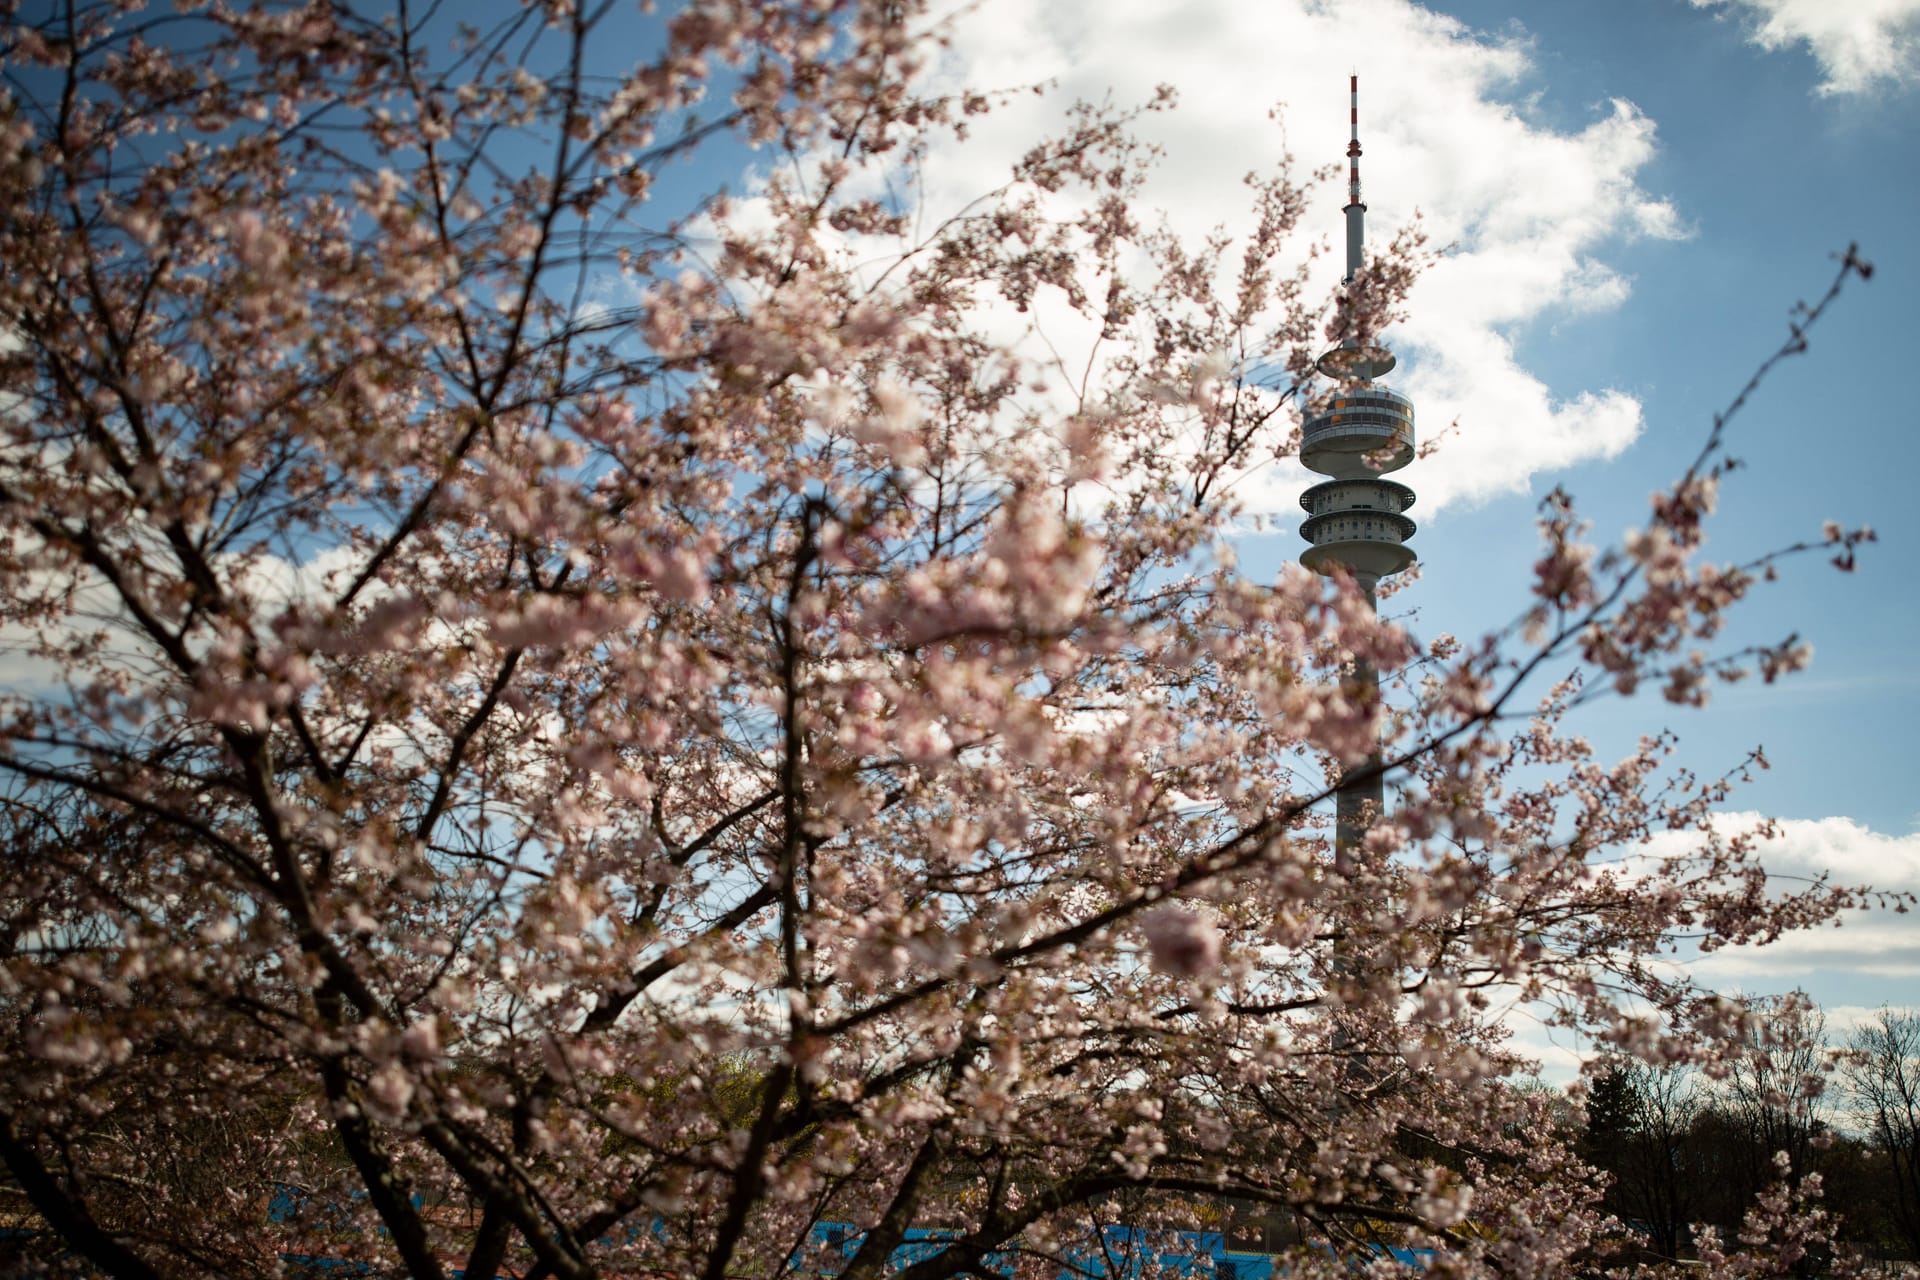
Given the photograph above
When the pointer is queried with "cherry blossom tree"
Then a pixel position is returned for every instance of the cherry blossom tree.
(560, 726)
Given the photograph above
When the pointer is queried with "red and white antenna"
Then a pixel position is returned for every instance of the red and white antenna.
(1356, 209)
(1353, 146)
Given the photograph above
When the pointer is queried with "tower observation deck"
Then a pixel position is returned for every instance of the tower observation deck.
(1356, 519)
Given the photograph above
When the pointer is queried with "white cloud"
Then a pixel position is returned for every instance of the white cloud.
(1841, 849)
(1859, 44)
(1525, 212)
(1844, 1019)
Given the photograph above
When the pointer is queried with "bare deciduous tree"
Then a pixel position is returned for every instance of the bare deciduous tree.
(1883, 1081)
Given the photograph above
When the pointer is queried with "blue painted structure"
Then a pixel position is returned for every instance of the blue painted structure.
(1118, 1253)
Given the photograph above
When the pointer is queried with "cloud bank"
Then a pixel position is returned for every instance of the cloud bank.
(1525, 213)
(1881, 944)
(1872, 960)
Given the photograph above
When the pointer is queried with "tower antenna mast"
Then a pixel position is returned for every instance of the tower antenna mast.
(1356, 210)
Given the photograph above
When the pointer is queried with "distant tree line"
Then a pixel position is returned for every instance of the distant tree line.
(1686, 1151)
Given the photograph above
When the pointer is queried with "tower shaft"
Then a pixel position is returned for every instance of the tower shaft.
(1362, 791)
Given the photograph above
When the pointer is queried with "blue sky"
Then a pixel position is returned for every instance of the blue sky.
(1767, 175)
(1632, 195)
(1770, 165)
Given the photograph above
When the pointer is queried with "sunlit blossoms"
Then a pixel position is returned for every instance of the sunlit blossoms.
(557, 726)
(1180, 942)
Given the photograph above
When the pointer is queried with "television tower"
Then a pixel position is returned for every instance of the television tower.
(1356, 520)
